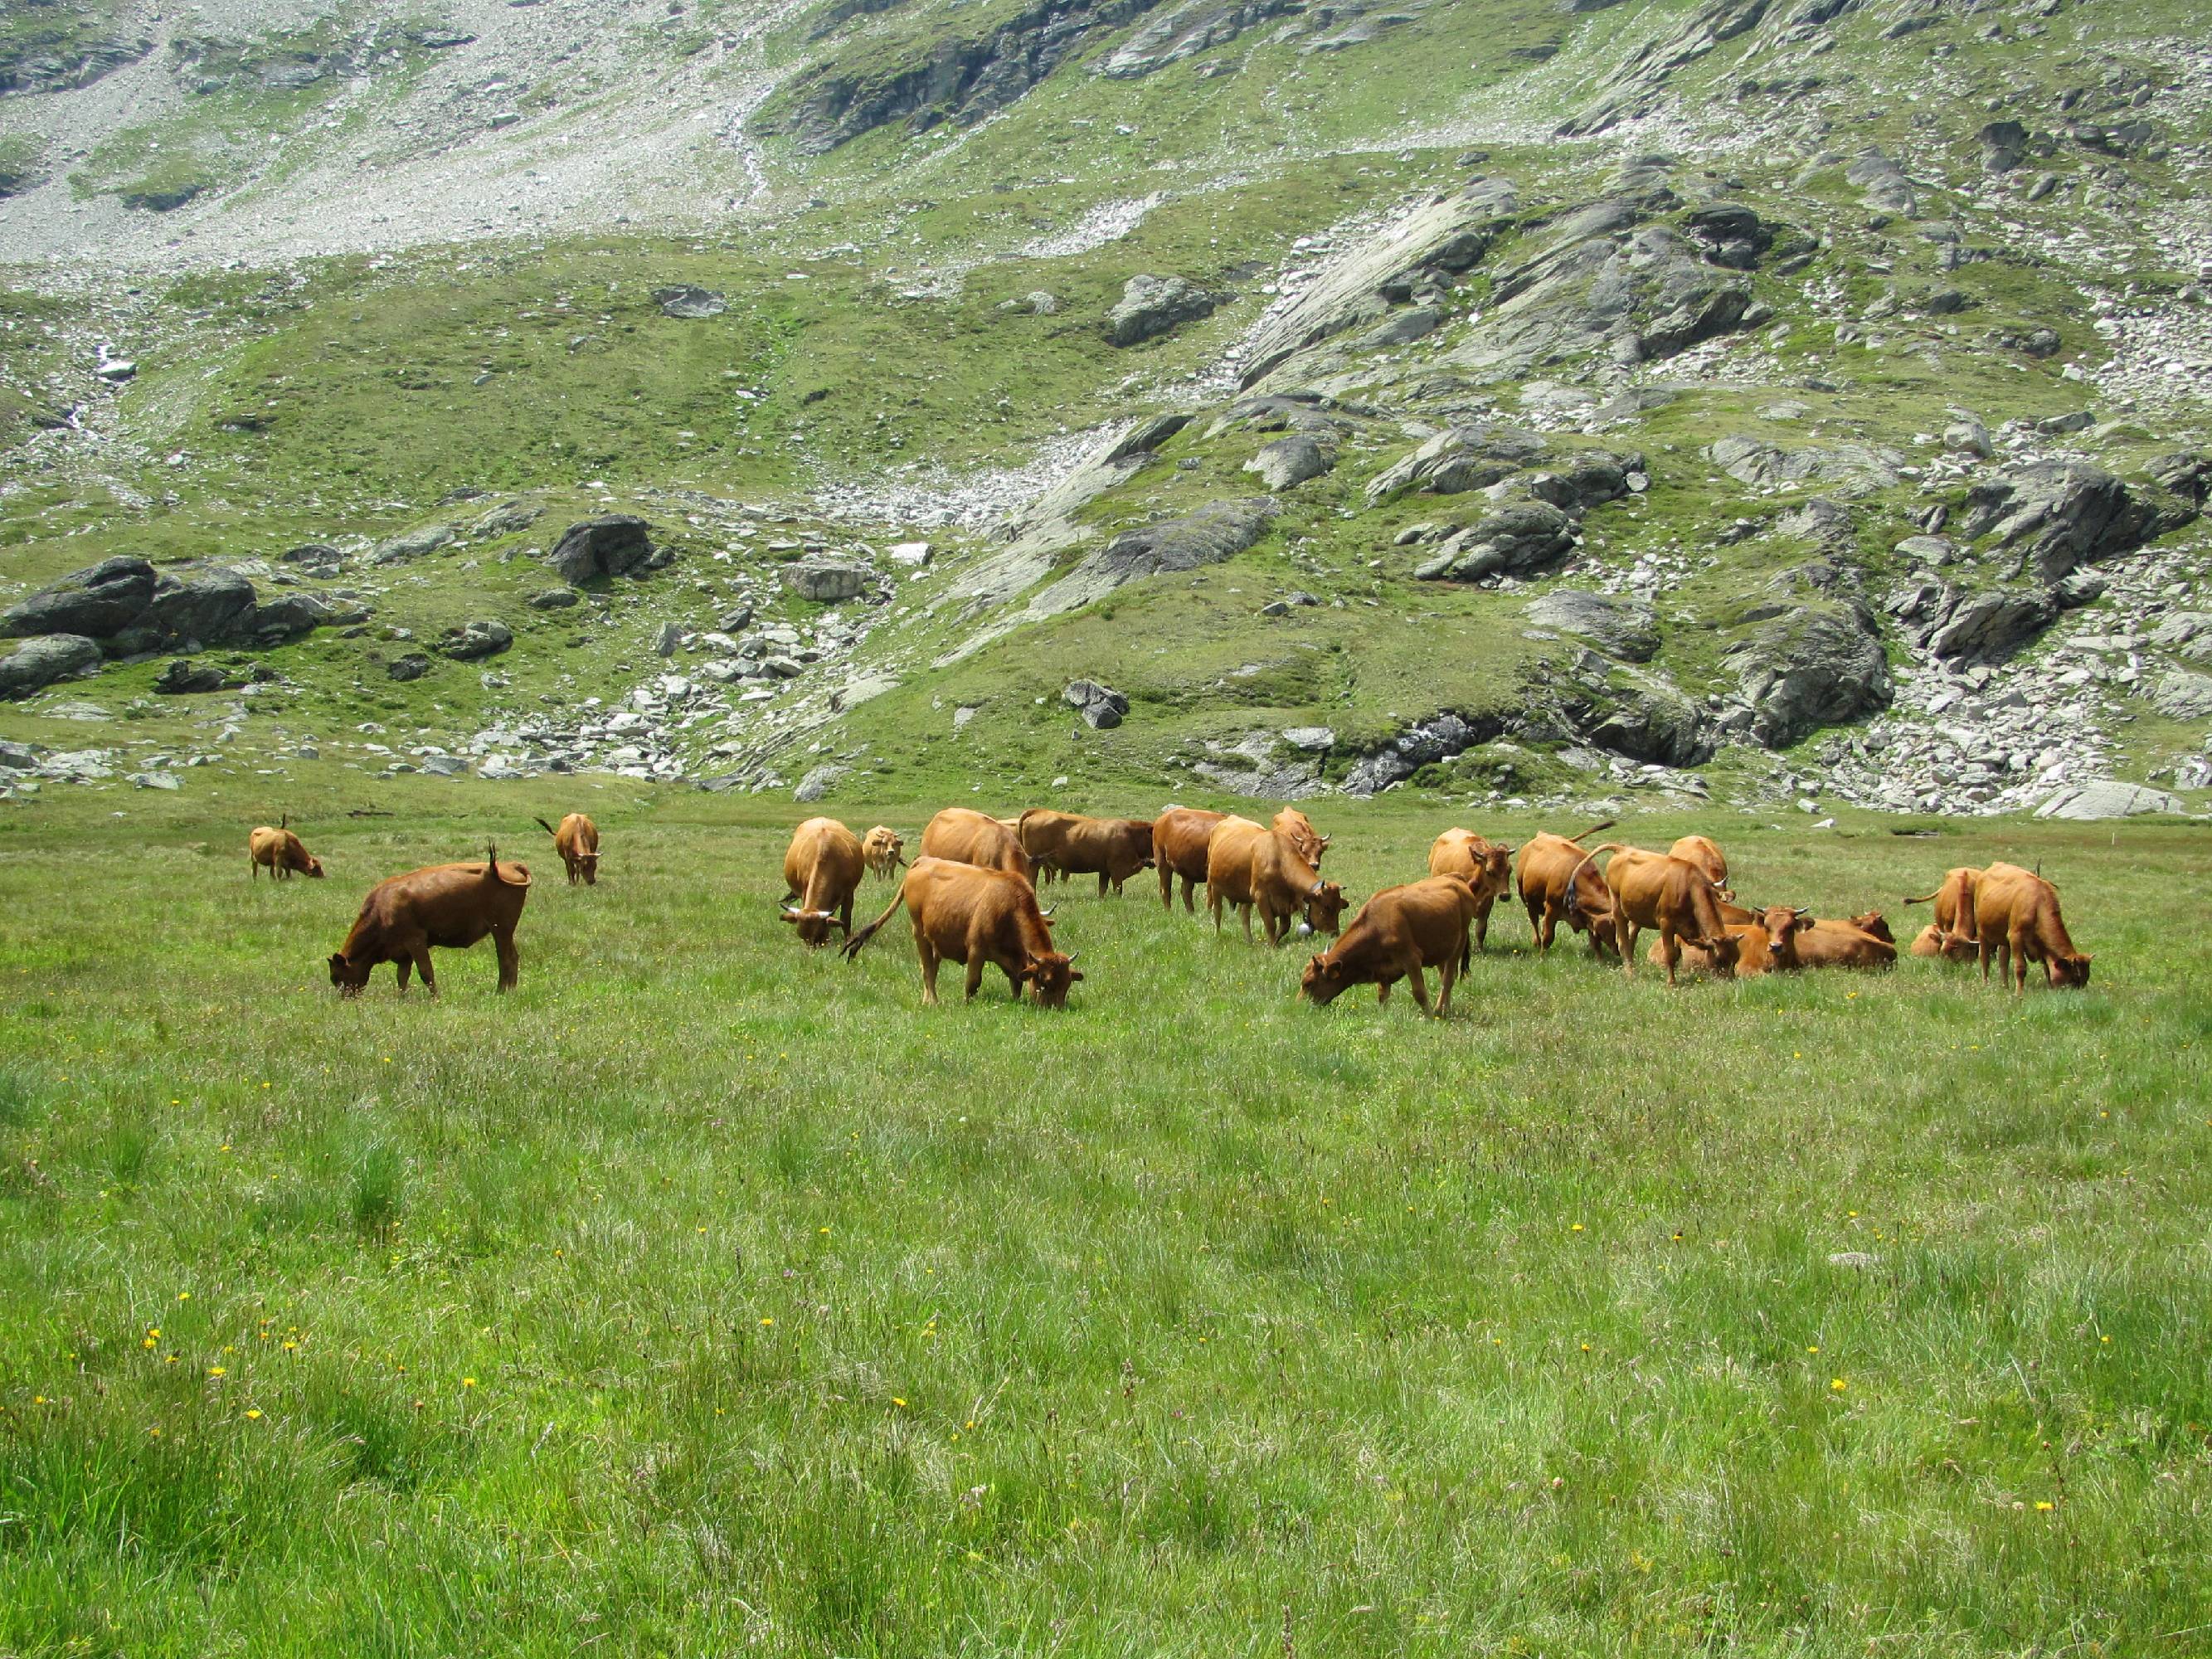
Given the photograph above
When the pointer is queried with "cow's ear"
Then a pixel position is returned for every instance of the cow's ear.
(1073, 976)
(788, 915)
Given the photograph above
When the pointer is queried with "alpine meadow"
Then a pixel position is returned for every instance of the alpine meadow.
(872, 829)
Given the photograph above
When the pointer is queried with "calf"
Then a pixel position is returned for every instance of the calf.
(1487, 866)
(1831, 943)
(967, 836)
(1397, 933)
(983, 918)
(280, 852)
(1255, 868)
(882, 851)
(1179, 838)
(821, 872)
(1656, 889)
(1707, 857)
(1069, 844)
(1766, 945)
(1557, 882)
(1933, 941)
(577, 841)
(447, 906)
(2016, 919)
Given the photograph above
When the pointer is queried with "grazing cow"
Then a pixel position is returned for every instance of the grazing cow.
(1831, 944)
(1954, 901)
(447, 906)
(882, 850)
(821, 872)
(1766, 945)
(1557, 882)
(1655, 889)
(2017, 921)
(577, 841)
(967, 836)
(1253, 867)
(1487, 866)
(981, 917)
(1179, 838)
(1707, 857)
(1933, 941)
(1299, 828)
(1069, 844)
(280, 852)
(1397, 933)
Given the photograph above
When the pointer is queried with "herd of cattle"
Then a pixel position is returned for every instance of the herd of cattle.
(971, 898)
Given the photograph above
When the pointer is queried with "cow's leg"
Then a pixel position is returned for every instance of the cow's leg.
(1482, 924)
(1212, 904)
(421, 955)
(1627, 946)
(1102, 885)
(406, 967)
(1447, 973)
(1189, 905)
(1382, 991)
(1167, 887)
(1551, 925)
(1984, 946)
(2018, 945)
(1421, 986)
(845, 916)
(510, 959)
(928, 971)
(1669, 951)
(975, 961)
(253, 867)
(1244, 911)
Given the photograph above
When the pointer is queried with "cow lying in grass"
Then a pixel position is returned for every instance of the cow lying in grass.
(1397, 933)
(983, 918)
(448, 907)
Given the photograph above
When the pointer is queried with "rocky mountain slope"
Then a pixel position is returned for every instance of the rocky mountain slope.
(1785, 403)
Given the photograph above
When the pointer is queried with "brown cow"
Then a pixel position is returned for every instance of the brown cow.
(1954, 901)
(1766, 945)
(2017, 921)
(1933, 941)
(1397, 933)
(883, 850)
(447, 906)
(967, 836)
(1487, 866)
(577, 841)
(1070, 844)
(1179, 838)
(1557, 882)
(821, 872)
(980, 917)
(1707, 857)
(1874, 922)
(1299, 828)
(280, 852)
(1655, 889)
(1253, 867)
(1831, 944)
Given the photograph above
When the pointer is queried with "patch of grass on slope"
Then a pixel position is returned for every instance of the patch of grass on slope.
(720, 1292)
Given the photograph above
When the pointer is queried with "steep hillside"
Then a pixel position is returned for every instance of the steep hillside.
(1789, 403)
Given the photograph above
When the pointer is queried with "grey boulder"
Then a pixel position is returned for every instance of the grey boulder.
(1991, 627)
(1517, 541)
(412, 544)
(475, 640)
(687, 301)
(1101, 707)
(1622, 628)
(818, 782)
(183, 676)
(2182, 695)
(2057, 515)
(2105, 799)
(412, 666)
(1153, 305)
(1810, 667)
(96, 603)
(39, 662)
(1289, 461)
(213, 607)
(616, 545)
(828, 583)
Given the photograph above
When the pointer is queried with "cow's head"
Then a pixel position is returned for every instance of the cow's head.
(1049, 977)
(587, 865)
(1724, 951)
(314, 869)
(1324, 981)
(2067, 973)
(1783, 925)
(1873, 925)
(813, 925)
(1325, 907)
(348, 976)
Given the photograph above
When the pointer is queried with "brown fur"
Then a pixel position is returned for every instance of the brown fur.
(449, 907)
(983, 918)
(1557, 883)
(1069, 844)
(1954, 901)
(967, 836)
(1261, 869)
(1308, 845)
(1655, 889)
(1397, 933)
(2017, 921)
(883, 850)
(1707, 857)
(1488, 867)
(577, 841)
(1179, 838)
(278, 851)
(1831, 944)
(1933, 941)
(1765, 946)
(821, 872)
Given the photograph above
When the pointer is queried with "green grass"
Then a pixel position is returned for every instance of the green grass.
(706, 1293)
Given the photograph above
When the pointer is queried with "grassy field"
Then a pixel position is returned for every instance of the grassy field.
(707, 1295)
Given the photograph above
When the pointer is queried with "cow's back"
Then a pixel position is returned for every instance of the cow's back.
(1701, 851)
(1180, 835)
(1229, 858)
(577, 835)
(967, 836)
(1298, 829)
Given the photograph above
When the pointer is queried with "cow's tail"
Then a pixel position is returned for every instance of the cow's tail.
(1594, 828)
(1603, 847)
(1923, 898)
(854, 945)
(491, 860)
(547, 828)
(284, 821)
